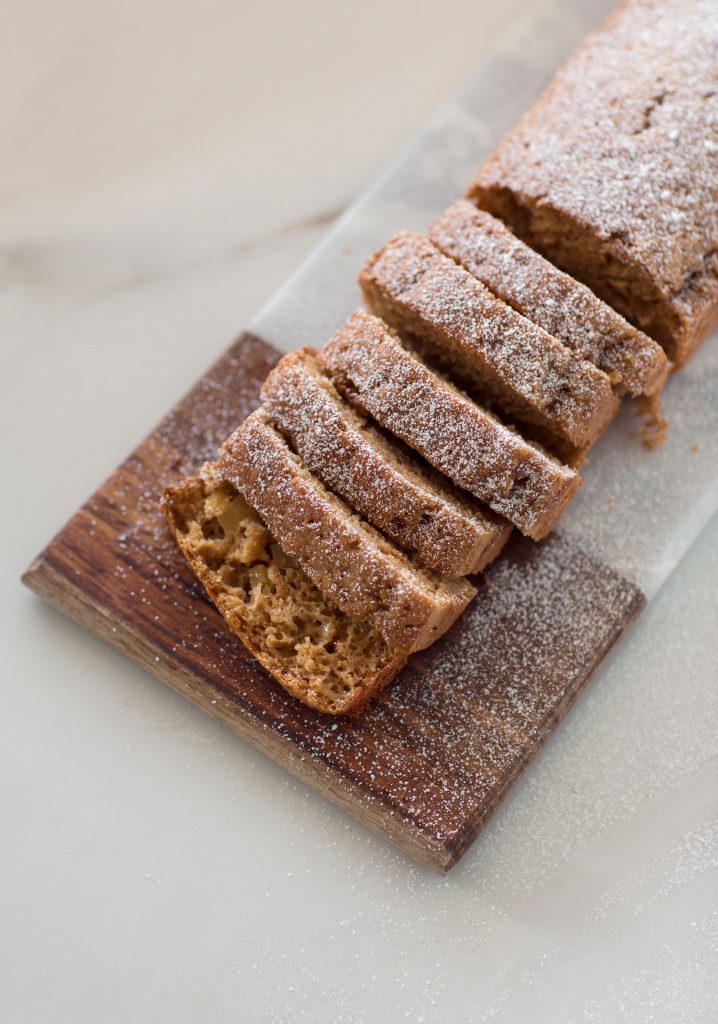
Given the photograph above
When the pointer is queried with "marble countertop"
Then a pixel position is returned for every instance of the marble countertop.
(165, 166)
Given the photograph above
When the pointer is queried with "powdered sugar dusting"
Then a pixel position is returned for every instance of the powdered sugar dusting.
(349, 561)
(555, 301)
(625, 144)
(521, 368)
(478, 703)
(378, 476)
(459, 438)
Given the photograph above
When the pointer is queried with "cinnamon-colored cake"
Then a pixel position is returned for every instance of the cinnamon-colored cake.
(507, 361)
(517, 479)
(381, 479)
(328, 660)
(545, 295)
(613, 173)
(350, 562)
(335, 526)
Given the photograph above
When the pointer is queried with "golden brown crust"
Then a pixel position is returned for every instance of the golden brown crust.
(558, 303)
(459, 438)
(505, 359)
(350, 562)
(381, 479)
(328, 661)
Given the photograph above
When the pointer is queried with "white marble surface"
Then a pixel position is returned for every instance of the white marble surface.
(154, 191)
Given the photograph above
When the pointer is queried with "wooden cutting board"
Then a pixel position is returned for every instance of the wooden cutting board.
(430, 760)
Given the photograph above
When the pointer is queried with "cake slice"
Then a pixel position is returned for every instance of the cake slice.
(549, 298)
(507, 361)
(381, 479)
(328, 660)
(350, 562)
(515, 478)
(613, 172)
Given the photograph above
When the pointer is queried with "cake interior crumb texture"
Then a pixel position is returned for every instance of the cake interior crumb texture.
(351, 562)
(327, 659)
(613, 173)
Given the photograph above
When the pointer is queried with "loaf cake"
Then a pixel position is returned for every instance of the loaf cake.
(379, 477)
(362, 572)
(518, 480)
(500, 355)
(337, 525)
(613, 173)
(326, 659)
(553, 300)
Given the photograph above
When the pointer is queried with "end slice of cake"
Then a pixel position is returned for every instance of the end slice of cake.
(324, 658)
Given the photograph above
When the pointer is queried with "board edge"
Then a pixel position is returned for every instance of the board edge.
(58, 590)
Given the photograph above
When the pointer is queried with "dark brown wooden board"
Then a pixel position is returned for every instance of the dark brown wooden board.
(429, 761)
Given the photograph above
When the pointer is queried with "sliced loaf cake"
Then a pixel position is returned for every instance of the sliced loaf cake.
(549, 298)
(613, 172)
(378, 476)
(507, 361)
(350, 562)
(517, 479)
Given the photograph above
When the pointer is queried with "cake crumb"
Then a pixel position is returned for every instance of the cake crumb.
(654, 423)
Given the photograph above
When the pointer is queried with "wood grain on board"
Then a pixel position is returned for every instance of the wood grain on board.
(429, 761)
